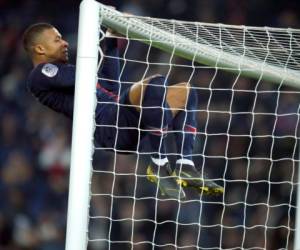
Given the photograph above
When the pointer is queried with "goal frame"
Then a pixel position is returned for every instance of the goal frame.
(91, 15)
(83, 127)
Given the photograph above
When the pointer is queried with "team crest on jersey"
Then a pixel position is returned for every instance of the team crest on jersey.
(49, 70)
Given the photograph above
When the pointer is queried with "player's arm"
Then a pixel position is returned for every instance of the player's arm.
(53, 86)
(51, 76)
(110, 68)
(58, 76)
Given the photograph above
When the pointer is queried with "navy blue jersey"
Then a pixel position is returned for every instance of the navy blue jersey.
(53, 83)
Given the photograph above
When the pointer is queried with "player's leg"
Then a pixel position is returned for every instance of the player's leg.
(137, 91)
(185, 127)
(149, 97)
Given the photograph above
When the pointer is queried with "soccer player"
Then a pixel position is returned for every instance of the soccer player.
(156, 105)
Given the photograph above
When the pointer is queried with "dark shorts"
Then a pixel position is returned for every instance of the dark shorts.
(117, 125)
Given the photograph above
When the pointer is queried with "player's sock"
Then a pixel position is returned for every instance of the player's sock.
(156, 117)
(184, 161)
(160, 161)
(185, 124)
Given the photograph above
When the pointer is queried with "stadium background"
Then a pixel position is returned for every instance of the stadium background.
(35, 142)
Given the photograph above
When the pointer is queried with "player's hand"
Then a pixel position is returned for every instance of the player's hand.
(112, 33)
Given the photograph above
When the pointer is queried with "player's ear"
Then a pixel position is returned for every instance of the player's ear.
(39, 49)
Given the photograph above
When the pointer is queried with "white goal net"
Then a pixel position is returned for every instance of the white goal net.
(247, 81)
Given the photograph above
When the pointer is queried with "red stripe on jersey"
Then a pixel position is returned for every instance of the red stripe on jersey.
(190, 129)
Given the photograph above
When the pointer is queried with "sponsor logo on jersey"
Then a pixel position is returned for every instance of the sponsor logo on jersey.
(50, 70)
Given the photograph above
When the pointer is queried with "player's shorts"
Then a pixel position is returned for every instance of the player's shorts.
(117, 125)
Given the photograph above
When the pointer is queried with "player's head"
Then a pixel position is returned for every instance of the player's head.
(44, 43)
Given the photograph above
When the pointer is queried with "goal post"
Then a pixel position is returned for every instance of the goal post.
(262, 54)
(83, 126)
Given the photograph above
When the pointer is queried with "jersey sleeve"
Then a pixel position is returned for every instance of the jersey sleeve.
(54, 76)
(110, 68)
(53, 85)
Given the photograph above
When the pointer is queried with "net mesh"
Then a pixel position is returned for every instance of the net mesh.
(247, 141)
(278, 47)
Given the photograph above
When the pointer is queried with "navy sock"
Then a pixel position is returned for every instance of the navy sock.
(156, 117)
(185, 124)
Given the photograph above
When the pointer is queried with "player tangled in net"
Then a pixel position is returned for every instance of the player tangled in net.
(150, 106)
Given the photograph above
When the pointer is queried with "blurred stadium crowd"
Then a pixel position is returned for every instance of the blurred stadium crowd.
(35, 147)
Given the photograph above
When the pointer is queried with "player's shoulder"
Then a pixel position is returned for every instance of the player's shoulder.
(47, 72)
(50, 70)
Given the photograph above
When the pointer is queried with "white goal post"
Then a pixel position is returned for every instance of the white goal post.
(83, 126)
(265, 54)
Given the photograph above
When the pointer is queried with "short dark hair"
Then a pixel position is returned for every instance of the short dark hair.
(32, 32)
